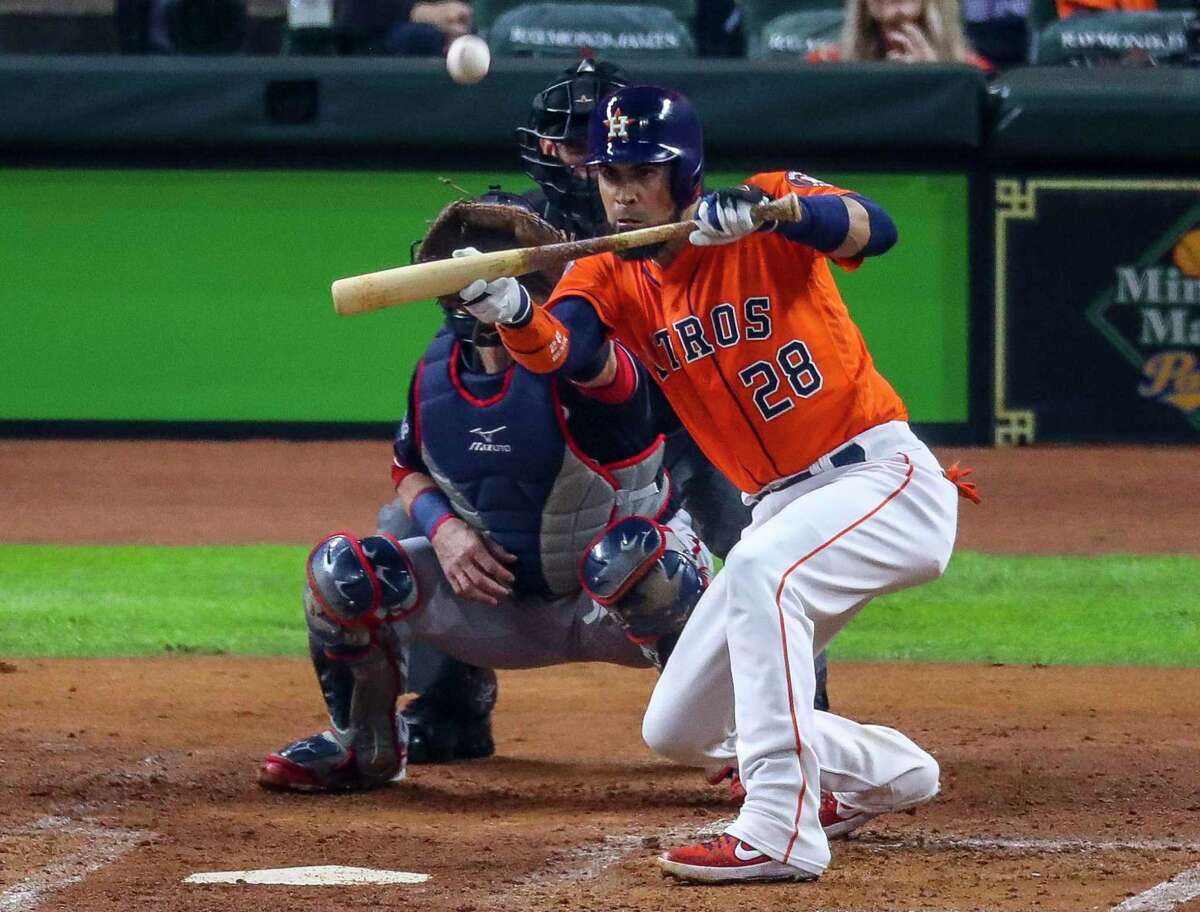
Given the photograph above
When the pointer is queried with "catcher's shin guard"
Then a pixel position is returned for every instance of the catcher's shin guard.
(643, 574)
(353, 588)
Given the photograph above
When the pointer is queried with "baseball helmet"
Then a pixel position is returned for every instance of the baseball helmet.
(560, 114)
(650, 125)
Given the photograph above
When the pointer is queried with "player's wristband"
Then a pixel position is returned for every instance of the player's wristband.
(429, 510)
(824, 225)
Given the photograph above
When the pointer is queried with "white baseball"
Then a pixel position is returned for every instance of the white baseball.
(468, 59)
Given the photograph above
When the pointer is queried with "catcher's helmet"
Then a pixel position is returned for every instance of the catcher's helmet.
(560, 114)
(648, 125)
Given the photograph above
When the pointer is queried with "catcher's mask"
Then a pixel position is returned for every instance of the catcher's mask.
(560, 117)
(494, 221)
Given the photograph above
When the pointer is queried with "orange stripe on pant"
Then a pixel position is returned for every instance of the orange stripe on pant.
(787, 667)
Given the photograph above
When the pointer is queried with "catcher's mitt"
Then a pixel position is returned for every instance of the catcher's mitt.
(489, 225)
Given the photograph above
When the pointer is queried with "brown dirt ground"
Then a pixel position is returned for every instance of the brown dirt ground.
(1063, 789)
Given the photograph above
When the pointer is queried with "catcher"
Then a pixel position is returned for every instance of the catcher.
(513, 479)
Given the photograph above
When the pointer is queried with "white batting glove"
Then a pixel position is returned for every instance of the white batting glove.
(503, 300)
(724, 216)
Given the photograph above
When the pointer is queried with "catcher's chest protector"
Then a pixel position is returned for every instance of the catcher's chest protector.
(508, 467)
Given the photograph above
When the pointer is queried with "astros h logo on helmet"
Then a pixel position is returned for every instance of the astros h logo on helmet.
(618, 124)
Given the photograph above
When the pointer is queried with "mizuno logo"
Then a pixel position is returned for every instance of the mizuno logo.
(488, 435)
(485, 445)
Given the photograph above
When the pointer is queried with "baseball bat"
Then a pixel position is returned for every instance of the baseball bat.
(422, 281)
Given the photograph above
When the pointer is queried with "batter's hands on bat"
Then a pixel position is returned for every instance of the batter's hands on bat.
(502, 300)
(472, 563)
(724, 216)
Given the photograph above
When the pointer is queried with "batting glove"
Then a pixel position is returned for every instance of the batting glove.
(724, 216)
(503, 300)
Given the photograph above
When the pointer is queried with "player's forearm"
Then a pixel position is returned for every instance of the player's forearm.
(616, 382)
(567, 337)
(844, 227)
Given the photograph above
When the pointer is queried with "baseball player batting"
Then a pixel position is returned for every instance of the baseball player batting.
(553, 148)
(450, 719)
(747, 334)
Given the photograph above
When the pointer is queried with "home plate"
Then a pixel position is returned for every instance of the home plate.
(310, 876)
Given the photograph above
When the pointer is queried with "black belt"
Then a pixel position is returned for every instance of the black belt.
(846, 456)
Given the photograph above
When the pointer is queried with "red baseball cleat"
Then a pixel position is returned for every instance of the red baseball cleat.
(727, 860)
(321, 764)
(839, 821)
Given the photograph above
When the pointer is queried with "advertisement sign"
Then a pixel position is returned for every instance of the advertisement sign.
(1097, 310)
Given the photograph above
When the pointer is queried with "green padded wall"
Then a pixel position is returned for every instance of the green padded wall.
(204, 295)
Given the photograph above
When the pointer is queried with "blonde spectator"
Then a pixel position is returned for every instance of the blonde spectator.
(905, 31)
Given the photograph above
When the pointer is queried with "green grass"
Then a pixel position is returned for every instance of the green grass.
(84, 601)
(1114, 610)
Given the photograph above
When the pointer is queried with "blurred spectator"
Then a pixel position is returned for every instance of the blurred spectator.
(998, 29)
(1070, 7)
(400, 26)
(905, 31)
(181, 26)
(718, 29)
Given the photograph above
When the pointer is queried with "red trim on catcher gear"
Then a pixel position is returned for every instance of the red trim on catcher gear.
(376, 587)
(623, 384)
(280, 772)
(416, 415)
(466, 393)
(657, 442)
(416, 585)
(399, 473)
(629, 583)
(575, 448)
(368, 618)
(787, 666)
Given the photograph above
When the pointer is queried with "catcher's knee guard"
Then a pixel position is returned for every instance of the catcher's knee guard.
(645, 576)
(354, 587)
(361, 583)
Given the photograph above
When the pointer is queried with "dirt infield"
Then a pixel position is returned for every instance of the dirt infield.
(1063, 789)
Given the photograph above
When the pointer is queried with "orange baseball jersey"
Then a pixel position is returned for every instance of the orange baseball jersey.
(751, 343)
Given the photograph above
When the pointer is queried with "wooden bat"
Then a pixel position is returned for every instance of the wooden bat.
(422, 281)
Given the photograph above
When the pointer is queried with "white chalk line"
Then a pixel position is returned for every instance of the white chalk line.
(1164, 896)
(102, 846)
(588, 862)
(1030, 845)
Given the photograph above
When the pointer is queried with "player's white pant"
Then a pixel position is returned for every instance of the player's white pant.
(814, 554)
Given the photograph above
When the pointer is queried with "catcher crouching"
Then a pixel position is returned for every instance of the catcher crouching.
(550, 532)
